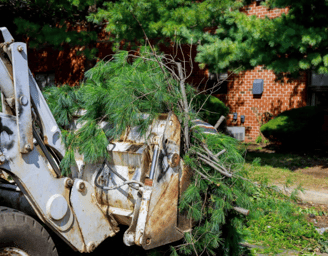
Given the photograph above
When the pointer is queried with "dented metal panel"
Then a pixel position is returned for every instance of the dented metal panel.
(126, 154)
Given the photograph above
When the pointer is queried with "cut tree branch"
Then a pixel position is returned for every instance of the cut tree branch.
(241, 210)
(229, 175)
(218, 123)
(185, 107)
(216, 162)
(220, 153)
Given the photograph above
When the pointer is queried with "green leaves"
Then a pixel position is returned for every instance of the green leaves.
(120, 93)
(63, 101)
(174, 19)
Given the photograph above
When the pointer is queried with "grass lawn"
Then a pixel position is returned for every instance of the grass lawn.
(309, 171)
(280, 225)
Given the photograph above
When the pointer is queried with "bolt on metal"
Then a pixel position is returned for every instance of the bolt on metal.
(2, 159)
(91, 246)
(68, 182)
(80, 186)
(28, 147)
(23, 100)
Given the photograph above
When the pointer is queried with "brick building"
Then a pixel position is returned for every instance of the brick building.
(251, 110)
(67, 67)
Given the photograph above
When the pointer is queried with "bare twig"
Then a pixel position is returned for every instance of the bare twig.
(210, 163)
(185, 107)
(220, 153)
(193, 245)
(216, 126)
(184, 61)
(216, 161)
(206, 177)
(209, 152)
(190, 61)
(241, 210)
(153, 50)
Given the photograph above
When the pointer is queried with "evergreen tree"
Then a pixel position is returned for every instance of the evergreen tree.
(294, 42)
(291, 43)
(48, 23)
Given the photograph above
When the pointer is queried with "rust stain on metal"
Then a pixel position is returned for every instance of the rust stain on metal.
(162, 117)
(131, 171)
(149, 182)
(118, 204)
(45, 139)
(161, 227)
(145, 164)
(184, 224)
(130, 199)
(173, 131)
(185, 179)
(124, 220)
(134, 148)
(175, 160)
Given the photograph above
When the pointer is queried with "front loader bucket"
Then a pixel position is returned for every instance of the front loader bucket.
(164, 223)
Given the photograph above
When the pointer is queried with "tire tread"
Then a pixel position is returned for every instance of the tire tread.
(32, 234)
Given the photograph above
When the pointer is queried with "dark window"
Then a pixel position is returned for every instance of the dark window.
(318, 90)
(217, 84)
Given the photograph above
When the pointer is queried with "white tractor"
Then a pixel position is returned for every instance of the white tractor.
(139, 186)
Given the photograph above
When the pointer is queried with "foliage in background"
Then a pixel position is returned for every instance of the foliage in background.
(301, 125)
(225, 37)
(49, 23)
(161, 19)
(259, 139)
(294, 42)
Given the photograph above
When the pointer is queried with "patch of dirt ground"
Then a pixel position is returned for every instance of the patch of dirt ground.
(313, 162)
(319, 219)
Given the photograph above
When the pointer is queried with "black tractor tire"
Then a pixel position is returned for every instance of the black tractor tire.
(21, 232)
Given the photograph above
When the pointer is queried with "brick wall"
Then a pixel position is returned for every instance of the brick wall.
(260, 11)
(276, 98)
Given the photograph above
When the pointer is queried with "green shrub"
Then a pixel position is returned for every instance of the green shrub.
(259, 139)
(213, 108)
(300, 126)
